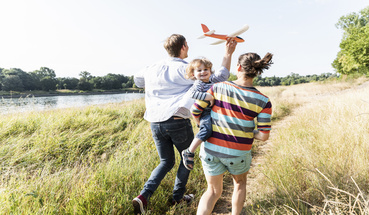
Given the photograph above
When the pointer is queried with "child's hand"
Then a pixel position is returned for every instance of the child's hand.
(197, 121)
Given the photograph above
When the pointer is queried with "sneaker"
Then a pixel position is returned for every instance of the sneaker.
(186, 198)
(139, 204)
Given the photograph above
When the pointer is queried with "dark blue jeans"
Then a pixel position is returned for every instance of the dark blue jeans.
(167, 135)
(206, 129)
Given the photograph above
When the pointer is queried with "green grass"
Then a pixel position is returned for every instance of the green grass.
(90, 160)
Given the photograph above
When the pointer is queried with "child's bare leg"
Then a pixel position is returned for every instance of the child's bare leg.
(195, 143)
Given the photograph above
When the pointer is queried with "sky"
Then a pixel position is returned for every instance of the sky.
(124, 36)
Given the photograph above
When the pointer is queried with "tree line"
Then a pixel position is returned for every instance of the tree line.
(291, 79)
(45, 79)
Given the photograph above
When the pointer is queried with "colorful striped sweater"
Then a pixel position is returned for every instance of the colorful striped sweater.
(233, 116)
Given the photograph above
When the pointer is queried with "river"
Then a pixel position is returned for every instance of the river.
(16, 105)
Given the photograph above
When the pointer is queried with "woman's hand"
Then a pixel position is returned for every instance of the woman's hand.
(210, 99)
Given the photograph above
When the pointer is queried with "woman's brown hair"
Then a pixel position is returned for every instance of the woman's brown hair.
(253, 65)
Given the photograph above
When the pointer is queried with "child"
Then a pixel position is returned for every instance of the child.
(200, 70)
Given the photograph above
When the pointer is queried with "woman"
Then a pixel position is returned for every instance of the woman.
(236, 104)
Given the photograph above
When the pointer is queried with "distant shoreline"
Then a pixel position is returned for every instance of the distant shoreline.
(48, 94)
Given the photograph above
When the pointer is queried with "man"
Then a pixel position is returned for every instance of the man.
(168, 103)
(167, 110)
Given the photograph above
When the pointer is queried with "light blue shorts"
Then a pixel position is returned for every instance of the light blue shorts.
(213, 165)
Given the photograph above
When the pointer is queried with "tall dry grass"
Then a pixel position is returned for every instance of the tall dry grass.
(317, 163)
(94, 160)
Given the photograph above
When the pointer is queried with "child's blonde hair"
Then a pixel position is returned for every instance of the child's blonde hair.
(196, 63)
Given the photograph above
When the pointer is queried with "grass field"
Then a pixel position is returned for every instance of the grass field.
(317, 163)
(94, 160)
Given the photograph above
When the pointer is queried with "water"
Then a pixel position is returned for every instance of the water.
(16, 105)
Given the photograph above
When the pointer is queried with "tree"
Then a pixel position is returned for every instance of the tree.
(1, 78)
(27, 80)
(47, 74)
(232, 77)
(67, 83)
(84, 82)
(12, 83)
(86, 75)
(85, 85)
(44, 72)
(48, 84)
(354, 54)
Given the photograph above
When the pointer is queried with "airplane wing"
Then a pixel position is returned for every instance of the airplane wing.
(243, 29)
(217, 42)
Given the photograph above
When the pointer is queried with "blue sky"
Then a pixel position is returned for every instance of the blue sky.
(122, 37)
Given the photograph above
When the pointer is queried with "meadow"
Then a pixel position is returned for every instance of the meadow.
(316, 162)
(94, 160)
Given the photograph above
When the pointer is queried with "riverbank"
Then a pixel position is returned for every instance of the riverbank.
(7, 95)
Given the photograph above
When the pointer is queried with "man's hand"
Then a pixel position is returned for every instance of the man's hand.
(231, 45)
(230, 48)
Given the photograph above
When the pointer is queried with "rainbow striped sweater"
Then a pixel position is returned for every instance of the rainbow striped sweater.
(233, 118)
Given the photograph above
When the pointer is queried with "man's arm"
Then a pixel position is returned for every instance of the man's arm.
(230, 48)
(223, 73)
(139, 79)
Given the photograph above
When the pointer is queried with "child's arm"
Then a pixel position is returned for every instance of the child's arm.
(199, 90)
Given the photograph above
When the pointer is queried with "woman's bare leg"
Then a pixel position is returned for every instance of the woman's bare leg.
(212, 194)
(239, 193)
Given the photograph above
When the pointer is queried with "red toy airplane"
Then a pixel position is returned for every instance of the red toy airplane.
(223, 38)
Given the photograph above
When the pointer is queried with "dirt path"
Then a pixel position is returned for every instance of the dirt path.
(223, 206)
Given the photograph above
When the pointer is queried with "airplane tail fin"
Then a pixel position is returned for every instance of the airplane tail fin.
(205, 29)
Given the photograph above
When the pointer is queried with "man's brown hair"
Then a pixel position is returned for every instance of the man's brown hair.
(174, 44)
